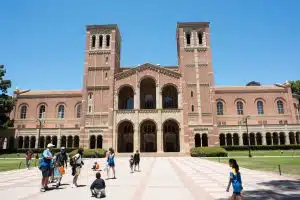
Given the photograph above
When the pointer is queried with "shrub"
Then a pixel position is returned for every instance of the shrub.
(262, 147)
(90, 153)
(22, 151)
(208, 152)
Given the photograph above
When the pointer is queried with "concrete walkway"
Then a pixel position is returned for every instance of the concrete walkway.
(176, 178)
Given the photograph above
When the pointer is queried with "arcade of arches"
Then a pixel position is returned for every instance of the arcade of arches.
(274, 138)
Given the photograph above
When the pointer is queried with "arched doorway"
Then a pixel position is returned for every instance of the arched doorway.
(42, 142)
(48, 140)
(63, 142)
(76, 141)
(92, 142)
(99, 141)
(268, 138)
(204, 140)
(292, 138)
(245, 139)
(148, 136)
(169, 97)
(282, 138)
(54, 141)
(229, 139)
(258, 139)
(171, 136)
(236, 141)
(148, 94)
(275, 138)
(197, 139)
(32, 142)
(252, 139)
(125, 137)
(26, 142)
(222, 139)
(126, 98)
(20, 142)
(70, 141)
(298, 137)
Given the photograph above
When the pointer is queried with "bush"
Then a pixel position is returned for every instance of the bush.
(208, 152)
(90, 153)
(22, 151)
(262, 147)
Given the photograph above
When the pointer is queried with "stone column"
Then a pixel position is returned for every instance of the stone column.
(287, 138)
(241, 139)
(264, 141)
(59, 138)
(159, 140)
(37, 139)
(137, 98)
(180, 106)
(158, 97)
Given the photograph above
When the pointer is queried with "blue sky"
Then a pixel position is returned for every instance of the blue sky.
(42, 42)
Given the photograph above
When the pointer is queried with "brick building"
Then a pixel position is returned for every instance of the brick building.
(154, 108)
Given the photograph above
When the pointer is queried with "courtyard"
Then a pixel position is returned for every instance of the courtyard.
(175, 178)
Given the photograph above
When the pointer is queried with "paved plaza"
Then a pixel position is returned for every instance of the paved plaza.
(175, 178)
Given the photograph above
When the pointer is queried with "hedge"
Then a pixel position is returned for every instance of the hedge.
(208, 152)
(262, 147)
(91, 153)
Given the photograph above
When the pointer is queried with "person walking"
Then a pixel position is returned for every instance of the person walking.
(28, 157)
(136, 158)
(76, 166)
(61, 160)
(44, 166)
(111, 163)
(236, 180)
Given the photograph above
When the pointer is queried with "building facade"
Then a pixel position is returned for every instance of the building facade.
(154, 108)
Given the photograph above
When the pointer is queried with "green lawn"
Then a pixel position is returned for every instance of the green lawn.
(288, 165)
(265, 153)
(11, 164)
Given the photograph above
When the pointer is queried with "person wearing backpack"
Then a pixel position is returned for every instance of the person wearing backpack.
(76, 166)
(44, 166)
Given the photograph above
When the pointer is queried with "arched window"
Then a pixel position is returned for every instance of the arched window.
(100, 41)
(78, 111)
(42, 111)
(240, 108)
(197, 140)
(105, 74)
(93, 41)
(260, 107)
(188, 38)
(192, 94)
(107, 40)
(220, 108)
(61, 111)
(193, 108)
(200, 38)
(90, 96)
(280, 107)
(23, 112)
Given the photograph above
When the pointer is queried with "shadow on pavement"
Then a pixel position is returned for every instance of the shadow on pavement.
(278, 189)
(81, 185)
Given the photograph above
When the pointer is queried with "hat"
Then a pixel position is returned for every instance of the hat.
(63, 148)
(50, 145)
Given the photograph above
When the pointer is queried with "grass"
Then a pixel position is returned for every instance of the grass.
(11, 164)
(288, 165)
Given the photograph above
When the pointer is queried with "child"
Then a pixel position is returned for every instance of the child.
(57, 173)
(131, 163)
(137, 160)
(235, 179)
(95, 166)
(98, 187)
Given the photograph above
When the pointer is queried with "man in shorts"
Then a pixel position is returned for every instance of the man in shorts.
(45, 166)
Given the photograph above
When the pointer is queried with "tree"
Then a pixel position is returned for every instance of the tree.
(6, 102)
(253, 83)
(295, 86)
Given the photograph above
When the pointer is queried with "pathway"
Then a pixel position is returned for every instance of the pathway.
(176, 178)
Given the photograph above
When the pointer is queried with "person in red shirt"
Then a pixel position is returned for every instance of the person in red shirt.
(28, 157)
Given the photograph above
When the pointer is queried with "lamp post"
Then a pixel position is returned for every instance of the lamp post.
(40, 121)
(245, 120)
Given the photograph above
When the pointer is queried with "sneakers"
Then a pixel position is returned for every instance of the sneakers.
(73, 186)
(98, 195)
(43, 189)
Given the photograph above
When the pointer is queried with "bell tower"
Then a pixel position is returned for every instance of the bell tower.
(195, 65)
(102, 61)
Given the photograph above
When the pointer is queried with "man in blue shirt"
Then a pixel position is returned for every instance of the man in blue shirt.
(45, 166)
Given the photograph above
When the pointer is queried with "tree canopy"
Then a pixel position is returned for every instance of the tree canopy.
(6, 101)
(295, 86)
(253, 83)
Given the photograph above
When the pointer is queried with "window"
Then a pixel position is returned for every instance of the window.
(78, 111)
(107, 40)
(42, 112)
(106, 59)
(192, 108)
(90, 96)
(219, 108)
(188, 38)
(240, 108)
(260, 107)
(61, 111)
(90, 109)
(192, 94)
(280, 107)
(93, 41)
(200, 38)
(100, 41)
(105, 74)
(23, 112)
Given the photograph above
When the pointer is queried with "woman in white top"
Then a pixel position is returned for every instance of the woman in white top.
(77, 160)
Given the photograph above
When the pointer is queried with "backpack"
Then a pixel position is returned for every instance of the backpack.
(72, 162)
